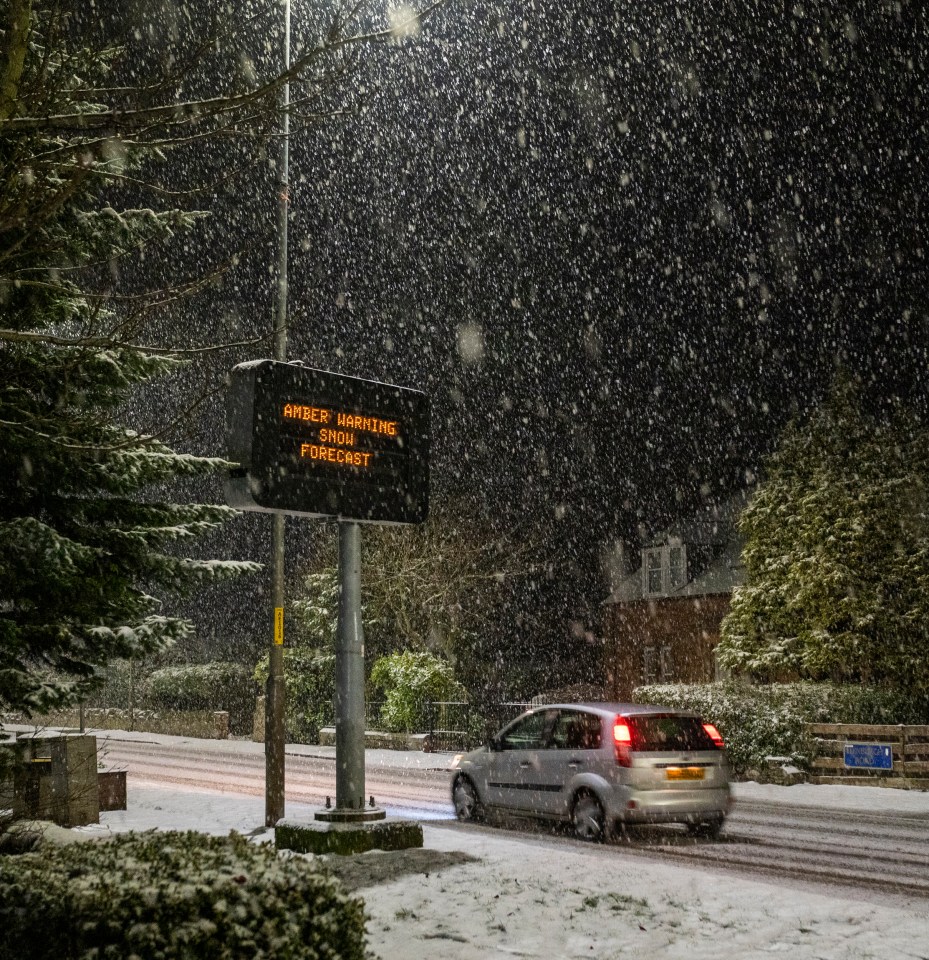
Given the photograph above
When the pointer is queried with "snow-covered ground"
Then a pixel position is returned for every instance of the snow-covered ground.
(479, 893)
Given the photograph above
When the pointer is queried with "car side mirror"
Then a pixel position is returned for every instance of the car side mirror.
(494, 745)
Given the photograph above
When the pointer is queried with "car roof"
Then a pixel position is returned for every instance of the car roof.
(611, 709)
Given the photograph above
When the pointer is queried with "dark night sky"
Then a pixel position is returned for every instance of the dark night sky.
(664, 223)
(667, 226)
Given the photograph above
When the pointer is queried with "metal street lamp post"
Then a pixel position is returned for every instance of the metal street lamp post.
(349, 696)
(275, 690)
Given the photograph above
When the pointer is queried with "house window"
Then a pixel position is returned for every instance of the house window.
(653, 571)
(664, 663)
(656, 663)
(664, 569)
(676, 567)
(650, 664)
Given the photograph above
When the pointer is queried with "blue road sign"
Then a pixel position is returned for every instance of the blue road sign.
(872, 756)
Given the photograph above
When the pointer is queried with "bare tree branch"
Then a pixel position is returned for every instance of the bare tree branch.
(117, 120)
(110, 343)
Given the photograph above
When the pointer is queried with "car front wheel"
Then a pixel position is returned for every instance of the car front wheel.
(467, 803)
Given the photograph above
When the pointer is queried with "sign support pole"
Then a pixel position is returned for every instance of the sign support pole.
(349, 677)
(350, 690)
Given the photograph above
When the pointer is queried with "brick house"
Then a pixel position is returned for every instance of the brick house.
(660, 623)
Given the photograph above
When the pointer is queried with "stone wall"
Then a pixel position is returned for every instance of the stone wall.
(203, 724)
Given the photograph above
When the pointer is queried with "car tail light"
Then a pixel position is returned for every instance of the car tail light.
(622, 737)
(714, 735)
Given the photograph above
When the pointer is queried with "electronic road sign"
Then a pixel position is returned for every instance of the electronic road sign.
(314, 443)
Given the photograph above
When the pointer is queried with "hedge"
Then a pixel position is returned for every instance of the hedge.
(768, 720)
(173, 895)
(204, 686)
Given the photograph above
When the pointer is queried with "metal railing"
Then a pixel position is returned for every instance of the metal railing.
(372, 714)
(449, 724)
(456, 725)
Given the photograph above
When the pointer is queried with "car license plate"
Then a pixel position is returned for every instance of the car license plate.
(685, 773)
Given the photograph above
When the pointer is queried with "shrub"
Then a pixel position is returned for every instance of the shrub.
(204, 686)
(173, 895)
(761, 721)
(409, 680)
(309, 677)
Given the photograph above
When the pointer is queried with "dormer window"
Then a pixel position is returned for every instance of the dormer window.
(664, 569)
(677, 567)
(653, 574)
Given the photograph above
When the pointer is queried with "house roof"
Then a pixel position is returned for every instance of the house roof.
(715, 525)
(724, 574)
(628, 589)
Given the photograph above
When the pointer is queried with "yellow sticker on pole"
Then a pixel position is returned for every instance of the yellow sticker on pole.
(279, 626)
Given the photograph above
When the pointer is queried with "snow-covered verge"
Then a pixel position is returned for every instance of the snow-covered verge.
(835, 797)
(525, 897)
(531, 895)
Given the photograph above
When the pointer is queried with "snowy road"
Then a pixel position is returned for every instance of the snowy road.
(880, 848)
(415, 785)
(889, 851)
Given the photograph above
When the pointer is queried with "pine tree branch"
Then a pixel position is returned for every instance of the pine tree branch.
(147, 299)
(162, 191)
(54, 204)
(133, 439)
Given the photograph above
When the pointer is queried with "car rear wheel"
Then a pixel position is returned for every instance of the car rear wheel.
(706, 828)
(467, 803)
(588, 818)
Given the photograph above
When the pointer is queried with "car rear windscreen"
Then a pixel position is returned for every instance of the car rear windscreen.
(657, 732)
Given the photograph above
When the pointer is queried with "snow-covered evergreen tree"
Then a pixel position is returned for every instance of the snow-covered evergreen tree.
(85, 549)
(837, 553)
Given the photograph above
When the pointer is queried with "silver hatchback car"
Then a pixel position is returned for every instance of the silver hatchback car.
(600, 766)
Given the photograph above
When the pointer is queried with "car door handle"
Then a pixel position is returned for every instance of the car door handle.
(574, 762)
(525, 763)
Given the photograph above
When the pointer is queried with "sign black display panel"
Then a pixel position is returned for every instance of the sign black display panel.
(321, 444)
